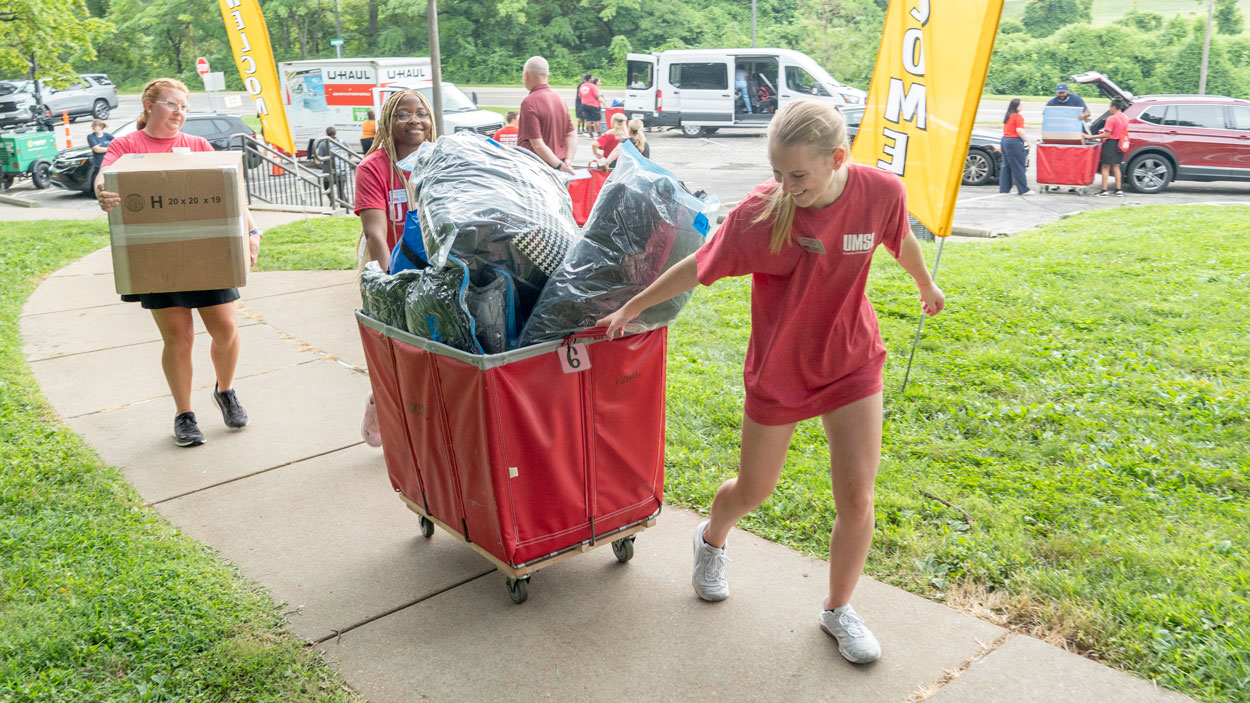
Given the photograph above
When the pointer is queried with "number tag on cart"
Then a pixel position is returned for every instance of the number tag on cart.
(573, 358)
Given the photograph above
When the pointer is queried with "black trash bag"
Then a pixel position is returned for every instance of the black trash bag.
(491, 205)
(382, 295)
(643, 223)
(437, 307)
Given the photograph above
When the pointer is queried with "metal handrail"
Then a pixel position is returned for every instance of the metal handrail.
(342, 161)
(275, 177)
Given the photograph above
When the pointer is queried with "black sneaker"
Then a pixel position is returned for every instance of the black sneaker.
(1119, 193)
(186, 432)
(1103, 194)
(231, 411)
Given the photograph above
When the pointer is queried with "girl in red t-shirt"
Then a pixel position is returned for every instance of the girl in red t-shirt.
(165, 105)
(605, 145)
(406, 123)
(807, 238)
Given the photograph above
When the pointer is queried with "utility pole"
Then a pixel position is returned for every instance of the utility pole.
(752, 24)
(436, 67)
(338, 31)
(1206, 50)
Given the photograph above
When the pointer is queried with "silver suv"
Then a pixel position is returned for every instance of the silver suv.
(93, 95)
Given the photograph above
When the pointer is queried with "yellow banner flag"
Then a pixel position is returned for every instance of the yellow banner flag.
(249, 43)
(923, 99)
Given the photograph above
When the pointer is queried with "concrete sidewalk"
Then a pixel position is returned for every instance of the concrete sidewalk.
(306, 510)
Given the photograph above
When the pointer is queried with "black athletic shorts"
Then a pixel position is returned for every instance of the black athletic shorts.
(184, 299)
(1111, 154)
(591, 113)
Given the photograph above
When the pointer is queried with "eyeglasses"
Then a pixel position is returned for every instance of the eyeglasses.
(409, 116)
(176, 107)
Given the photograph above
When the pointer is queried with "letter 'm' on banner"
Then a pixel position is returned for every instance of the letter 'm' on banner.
(931, 64)
(249, 44)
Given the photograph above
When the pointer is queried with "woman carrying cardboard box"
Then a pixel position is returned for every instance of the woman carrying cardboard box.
(160, 131)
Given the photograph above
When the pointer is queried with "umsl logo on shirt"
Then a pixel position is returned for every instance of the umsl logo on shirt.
(858, 243)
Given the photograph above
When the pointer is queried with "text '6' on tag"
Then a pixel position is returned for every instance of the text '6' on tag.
(573, 358)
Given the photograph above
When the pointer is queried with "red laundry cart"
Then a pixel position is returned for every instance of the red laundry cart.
(531, 456)
(1067, 165)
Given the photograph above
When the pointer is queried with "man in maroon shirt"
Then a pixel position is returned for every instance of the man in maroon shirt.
(545, 127)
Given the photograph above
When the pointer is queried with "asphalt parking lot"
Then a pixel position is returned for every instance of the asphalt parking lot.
(731, 162)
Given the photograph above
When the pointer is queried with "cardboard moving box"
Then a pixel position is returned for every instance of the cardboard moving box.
(181, 224)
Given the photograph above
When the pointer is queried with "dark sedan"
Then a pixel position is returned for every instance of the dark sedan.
(984, 157)
(73, 169)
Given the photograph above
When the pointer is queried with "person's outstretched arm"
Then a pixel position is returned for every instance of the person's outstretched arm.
(670, 284)
(911, 258)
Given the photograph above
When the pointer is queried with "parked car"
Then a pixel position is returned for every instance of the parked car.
(984, 156)
(73, 169)
(92, 95)
(1179, 137)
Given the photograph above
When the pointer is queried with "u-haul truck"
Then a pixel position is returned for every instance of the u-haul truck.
(322, 92)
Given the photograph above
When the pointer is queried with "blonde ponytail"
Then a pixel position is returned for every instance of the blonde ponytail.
(802, 122)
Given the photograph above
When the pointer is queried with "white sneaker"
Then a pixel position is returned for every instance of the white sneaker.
(369, 430)
(709, 579)
(856, 643)
(1028, 194)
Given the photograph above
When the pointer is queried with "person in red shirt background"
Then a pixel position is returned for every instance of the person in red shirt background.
(1114, 136)
(807, 237)
(406, 123)
(606, 144)
(591, 100)
(506, 134)
(1015, 157)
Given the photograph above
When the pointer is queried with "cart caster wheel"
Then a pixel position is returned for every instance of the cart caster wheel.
(623, 549)
(427, 527)
(519, 589)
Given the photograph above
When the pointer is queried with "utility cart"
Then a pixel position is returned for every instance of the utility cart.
(27, 154)
(531, 456)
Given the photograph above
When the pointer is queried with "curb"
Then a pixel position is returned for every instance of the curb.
(20, 202)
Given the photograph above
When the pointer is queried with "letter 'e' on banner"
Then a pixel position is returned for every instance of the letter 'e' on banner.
(249, 44)
(923, 99)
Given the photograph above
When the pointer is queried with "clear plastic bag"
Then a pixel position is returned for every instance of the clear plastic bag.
(492, 205)
(643, 223)
(382, 296)
(436, 307)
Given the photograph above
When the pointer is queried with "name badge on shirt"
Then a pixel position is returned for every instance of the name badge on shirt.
(811, 245)
(399, 196)
(181, 150)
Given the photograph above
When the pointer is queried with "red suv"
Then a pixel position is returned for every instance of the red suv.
(1179, 137)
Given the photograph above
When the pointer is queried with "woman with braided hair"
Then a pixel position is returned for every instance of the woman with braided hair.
(406, 122)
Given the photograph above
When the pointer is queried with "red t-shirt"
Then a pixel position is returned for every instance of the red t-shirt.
(544, 116)
(607, 143)
(506, 135)
(140, 142)
(1116, 126)
(1011, 128)
(381, 186)
(814, 335)
(589, 94)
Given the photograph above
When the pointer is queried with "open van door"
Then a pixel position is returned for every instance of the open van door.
(642, 91)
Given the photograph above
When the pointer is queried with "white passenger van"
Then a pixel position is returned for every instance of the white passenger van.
(694, 88)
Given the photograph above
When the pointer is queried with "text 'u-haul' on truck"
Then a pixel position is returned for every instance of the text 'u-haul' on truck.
(320, 93)
(699, 90)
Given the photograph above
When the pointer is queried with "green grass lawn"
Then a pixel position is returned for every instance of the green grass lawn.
(100, 598)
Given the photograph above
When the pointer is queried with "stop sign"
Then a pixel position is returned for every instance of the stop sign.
(201, 66)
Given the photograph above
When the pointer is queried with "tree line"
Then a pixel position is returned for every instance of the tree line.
(487, 41)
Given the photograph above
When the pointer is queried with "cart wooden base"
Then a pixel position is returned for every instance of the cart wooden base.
(622, 541)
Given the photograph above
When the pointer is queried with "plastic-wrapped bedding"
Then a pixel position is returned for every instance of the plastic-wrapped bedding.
(493, 206)
(445, 305)
(382, 296)
(643, 223)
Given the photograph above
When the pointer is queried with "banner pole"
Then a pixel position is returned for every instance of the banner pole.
(920, 325)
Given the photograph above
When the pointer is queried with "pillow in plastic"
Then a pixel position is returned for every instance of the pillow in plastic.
(382, 295)
(493, 205)
(643, 223)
